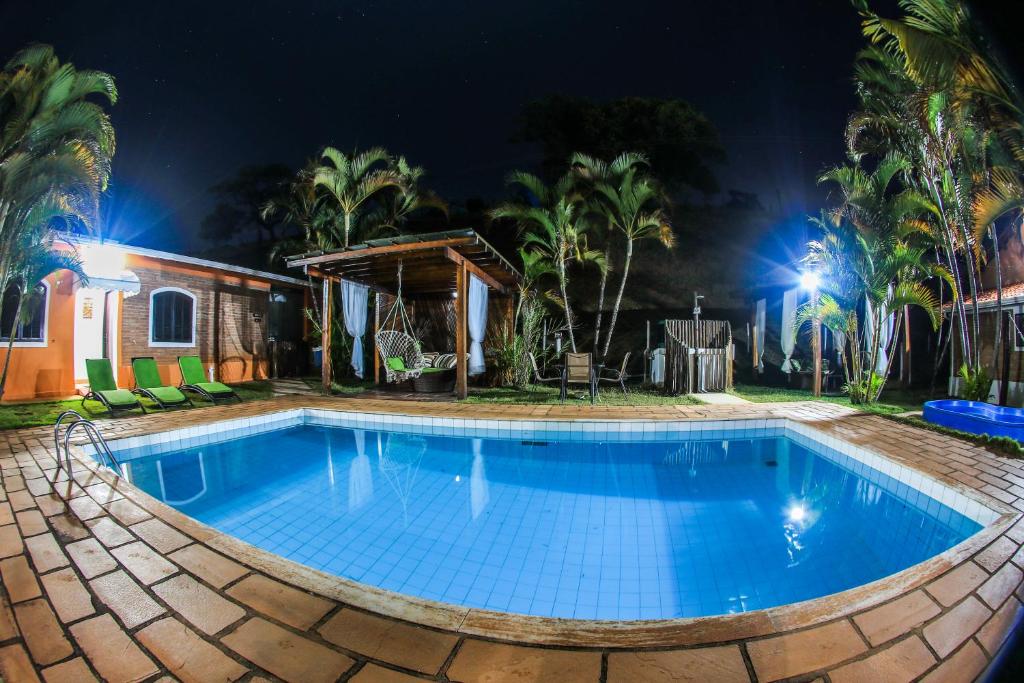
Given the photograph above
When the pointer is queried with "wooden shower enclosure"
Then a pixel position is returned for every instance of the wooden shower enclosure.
(698, 356)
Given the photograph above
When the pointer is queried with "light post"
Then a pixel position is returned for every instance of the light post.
(811, 281)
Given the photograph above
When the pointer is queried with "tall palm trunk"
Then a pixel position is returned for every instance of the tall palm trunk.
(940, 355)
(999, 294)
(313, 296)
(940, 345)
(958, 301)
(876, 336)
(600, 291)
(348, 226)
(843, 363)
(972, 279)
(856, 343)
(563, 285)
(894, 345)
(4, 266)
(10, 345)
(618, 297)
(970, 263)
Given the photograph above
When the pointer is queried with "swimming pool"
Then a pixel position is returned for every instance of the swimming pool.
(587, 521)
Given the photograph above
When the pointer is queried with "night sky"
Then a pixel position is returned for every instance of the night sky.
(208, 87)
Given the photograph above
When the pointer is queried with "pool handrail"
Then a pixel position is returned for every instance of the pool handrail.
(56, 437)
(99, 445)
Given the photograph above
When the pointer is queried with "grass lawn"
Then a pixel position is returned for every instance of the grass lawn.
(346, 387)
(892, 401)
(16, 415)
(546, 394)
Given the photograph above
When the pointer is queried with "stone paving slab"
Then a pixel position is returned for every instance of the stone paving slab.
(102, 582)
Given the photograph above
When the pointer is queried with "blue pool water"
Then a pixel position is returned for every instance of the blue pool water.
(593, 530)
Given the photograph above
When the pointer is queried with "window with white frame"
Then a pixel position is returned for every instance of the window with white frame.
(172, 317)
(30, 324)
(1017, 328)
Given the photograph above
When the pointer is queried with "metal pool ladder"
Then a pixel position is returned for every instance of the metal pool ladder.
(99, 444)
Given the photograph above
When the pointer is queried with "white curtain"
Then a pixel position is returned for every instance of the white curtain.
(759, 326)
(884, 335)
(353, 300)
(477, 324)
(839, 342)
(788, 331)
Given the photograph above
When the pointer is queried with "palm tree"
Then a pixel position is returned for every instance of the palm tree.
(941, 48)
(34, 261)
(55, 149)
(632, 205)
(301, 205)
(892, 226)
(1004, 196)
(591, 170)
(553, 226)
(394, 209)
(900, 118)
(352, 181)
(535, 268)
(881, 271)
(931, 88)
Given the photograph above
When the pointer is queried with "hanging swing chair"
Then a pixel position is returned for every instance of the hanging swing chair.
(399, 349)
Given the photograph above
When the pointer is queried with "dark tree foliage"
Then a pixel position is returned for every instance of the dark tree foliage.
(240, 198)
(680, 141)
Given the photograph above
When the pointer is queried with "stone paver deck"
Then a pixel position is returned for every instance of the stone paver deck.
(720, 398)
(101, 581)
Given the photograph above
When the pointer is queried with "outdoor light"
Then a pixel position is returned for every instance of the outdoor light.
(102, 260)
(810, 280)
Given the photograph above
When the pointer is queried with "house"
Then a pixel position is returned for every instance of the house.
(1008, 367)
(144, 302)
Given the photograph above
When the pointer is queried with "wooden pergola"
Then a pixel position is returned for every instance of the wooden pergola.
(433, 264)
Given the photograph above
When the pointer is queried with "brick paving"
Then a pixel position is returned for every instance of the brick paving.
(102, 582)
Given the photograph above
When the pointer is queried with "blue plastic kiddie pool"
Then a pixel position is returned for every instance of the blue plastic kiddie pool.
(976, 417)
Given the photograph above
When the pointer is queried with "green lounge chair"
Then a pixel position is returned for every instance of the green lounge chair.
(194, 379)
(149, 384)
(103, 388)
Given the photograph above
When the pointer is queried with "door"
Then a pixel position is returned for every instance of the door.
(284, 332)
(89, 319)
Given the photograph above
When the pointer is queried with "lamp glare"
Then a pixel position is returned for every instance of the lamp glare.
(810, 280)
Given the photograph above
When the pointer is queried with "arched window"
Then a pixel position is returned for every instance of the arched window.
(172, 317)
(30, 329)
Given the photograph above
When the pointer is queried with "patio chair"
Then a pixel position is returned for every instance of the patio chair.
(537, 377)
(194, 379)
(579, 369)
(617, 375)
(149, 384)
(103, 388)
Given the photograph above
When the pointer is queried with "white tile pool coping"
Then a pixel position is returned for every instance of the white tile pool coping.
(861, 461)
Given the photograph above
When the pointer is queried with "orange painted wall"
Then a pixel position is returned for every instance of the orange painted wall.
(47, 372)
